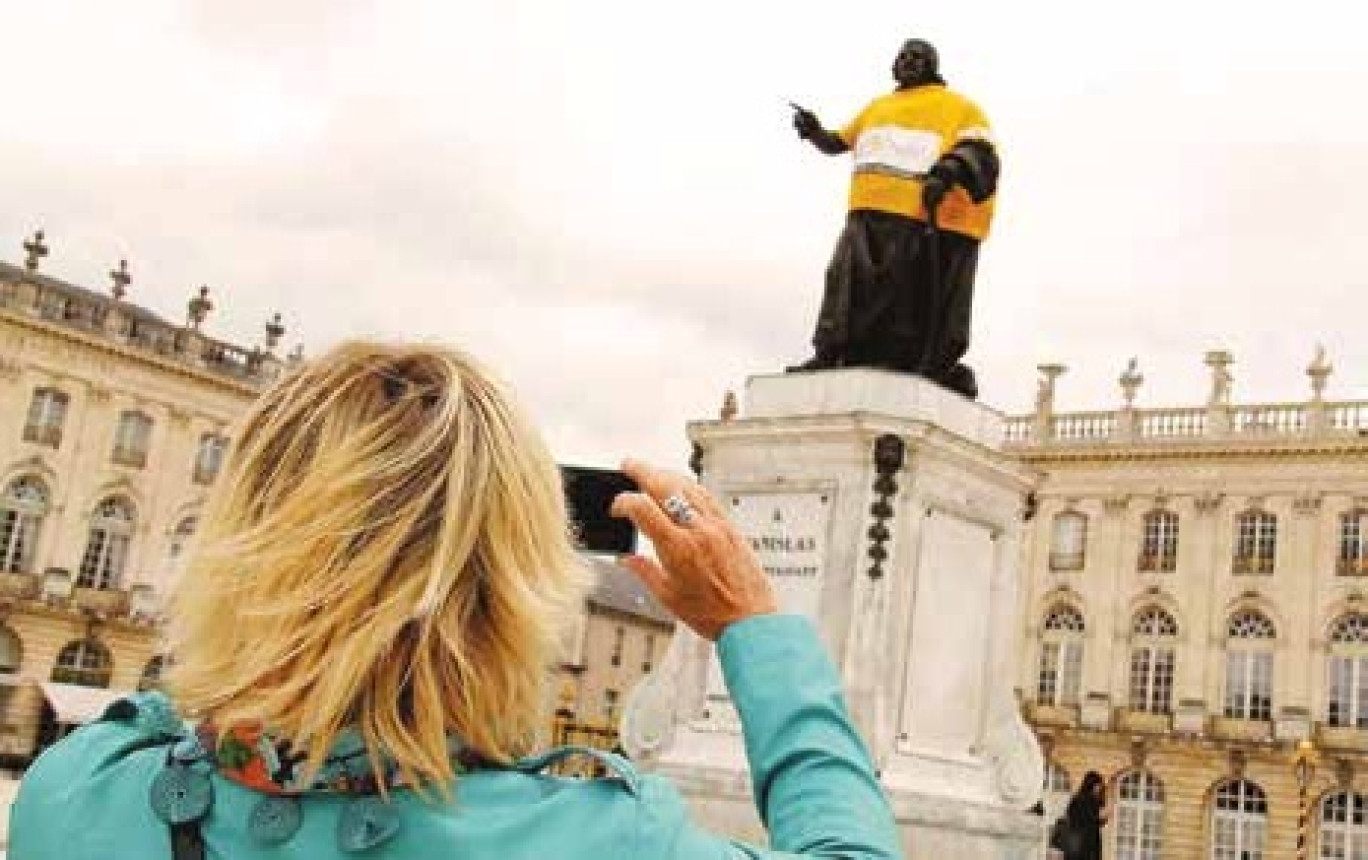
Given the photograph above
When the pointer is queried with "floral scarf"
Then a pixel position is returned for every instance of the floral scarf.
(262, 762)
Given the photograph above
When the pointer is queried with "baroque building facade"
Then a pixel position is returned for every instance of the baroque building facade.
(113, 425)
(1196, 618)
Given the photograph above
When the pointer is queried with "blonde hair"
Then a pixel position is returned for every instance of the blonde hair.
(387, 550)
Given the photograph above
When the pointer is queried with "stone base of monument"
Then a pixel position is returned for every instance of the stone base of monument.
(882, 507)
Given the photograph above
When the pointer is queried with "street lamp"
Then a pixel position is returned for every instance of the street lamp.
(1304, 767)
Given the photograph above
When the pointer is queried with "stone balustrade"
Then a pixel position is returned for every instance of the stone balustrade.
(1219, 420)
(1291, 421)
(95, 315)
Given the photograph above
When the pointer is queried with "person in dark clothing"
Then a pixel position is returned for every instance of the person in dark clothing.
(1086, 814)
(900, 285)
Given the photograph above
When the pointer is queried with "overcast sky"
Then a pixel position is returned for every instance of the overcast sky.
(605, 199)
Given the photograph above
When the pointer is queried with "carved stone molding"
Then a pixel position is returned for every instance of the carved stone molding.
(33, 463)
(99, 394)
(1139, 751)
(1206, 503)
(1116, 505)
(1308, 504)
(1047, 743)
(1016, 759)
(1344, 773)
(1238, 759)
(180, 417)
(650, 718)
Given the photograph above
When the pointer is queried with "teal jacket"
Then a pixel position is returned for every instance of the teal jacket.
(87, 798)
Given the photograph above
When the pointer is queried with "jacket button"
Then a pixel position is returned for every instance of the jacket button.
(180, 795)
(365, 823)
(275, 819)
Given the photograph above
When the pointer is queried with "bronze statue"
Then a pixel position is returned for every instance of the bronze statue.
(899, 288)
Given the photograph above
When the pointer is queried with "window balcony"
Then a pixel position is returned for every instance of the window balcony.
(1341, 737)
(1352, 566)
(1237, 729)
(1252, 564)
(1144, 722)
(1158, 563)
(43, 434)
(1061, 716)
(106, 601)
(130, 457)
(1066, 561)
(19, 586)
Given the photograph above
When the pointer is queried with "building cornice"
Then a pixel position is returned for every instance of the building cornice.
(1214, 449)
(113, 349)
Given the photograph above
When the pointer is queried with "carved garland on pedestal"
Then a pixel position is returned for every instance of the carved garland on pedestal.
(889, 454)
(696, 460)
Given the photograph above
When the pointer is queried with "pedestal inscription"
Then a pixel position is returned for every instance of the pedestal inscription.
(788, 532)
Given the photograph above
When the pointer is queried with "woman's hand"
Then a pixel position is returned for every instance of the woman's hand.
(707, 575)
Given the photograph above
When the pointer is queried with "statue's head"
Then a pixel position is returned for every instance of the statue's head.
(916, 64)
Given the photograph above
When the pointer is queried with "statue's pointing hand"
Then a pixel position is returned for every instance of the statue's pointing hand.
(806, 122)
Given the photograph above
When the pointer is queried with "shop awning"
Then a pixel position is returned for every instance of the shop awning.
(77, 705)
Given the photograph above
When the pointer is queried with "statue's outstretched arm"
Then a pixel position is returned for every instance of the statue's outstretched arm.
(829, 142)
(810, 129)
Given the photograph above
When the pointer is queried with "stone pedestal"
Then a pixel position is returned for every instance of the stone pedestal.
(883, 508)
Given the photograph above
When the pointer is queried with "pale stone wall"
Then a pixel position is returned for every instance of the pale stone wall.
(1306, 469)
(102, 383)
(602, 672)
(103, 372)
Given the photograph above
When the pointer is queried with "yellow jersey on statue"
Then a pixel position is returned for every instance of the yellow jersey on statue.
(899, 288)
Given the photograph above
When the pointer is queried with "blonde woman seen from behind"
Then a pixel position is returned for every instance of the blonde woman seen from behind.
(363, 640)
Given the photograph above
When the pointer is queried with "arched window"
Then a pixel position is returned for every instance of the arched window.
(152, 673)
(1343, 827)
(46, 415)
(1159, 541)
(106, 553)
(85, 662)
(1152, 661)
(1061, 657)
(1348, 669)
(1249, 666)
(132, 439)
(1068, 541)
(1353, 545)
(1256, 542)
(1239, 821)
(11, 651)
(22, 509)
(1139, 816)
